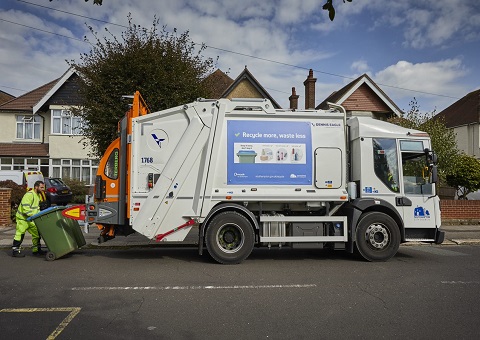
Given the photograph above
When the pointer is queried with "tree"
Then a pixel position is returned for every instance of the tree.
(443, 139)
(166, 68)
(466, 177)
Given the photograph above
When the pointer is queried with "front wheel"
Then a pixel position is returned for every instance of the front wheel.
(230, 237)
(377, 237)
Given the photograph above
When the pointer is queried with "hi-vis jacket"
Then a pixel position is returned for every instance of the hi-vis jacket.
(29, 206)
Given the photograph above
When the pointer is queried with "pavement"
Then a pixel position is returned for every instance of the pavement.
(454, 235)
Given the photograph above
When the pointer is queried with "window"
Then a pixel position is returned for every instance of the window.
(416, 173)
(28, 127)
(386, 162)
(24, 163)
(111, 167)
(65, 123)
(80, 169)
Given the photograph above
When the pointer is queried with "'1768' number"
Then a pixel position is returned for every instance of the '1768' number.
(147, 159)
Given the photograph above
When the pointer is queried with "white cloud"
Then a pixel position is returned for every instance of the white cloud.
(440, 80)
(293, 33)
(428, 23)
(360, 66)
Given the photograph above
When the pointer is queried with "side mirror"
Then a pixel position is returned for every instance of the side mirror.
(431, 156)
(434, 174)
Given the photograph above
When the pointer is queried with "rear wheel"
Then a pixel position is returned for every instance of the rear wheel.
(377, 237)
(229, 238)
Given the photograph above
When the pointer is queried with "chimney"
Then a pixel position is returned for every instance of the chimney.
(310, 90)
(293, 100)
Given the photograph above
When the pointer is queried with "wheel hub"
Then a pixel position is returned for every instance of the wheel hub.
(377, 236)
(230, 238)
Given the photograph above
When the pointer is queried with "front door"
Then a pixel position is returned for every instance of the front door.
(418, 200)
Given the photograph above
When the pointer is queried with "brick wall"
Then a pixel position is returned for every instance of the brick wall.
(460, 210)
(5, 194)
(364, 99)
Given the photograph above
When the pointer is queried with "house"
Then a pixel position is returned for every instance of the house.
(361, 97)
(244, 86)
(5, 97)
(463, 117)
(40, 132)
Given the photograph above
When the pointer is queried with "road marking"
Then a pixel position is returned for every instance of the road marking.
(73, 312)
(196, 287)
(439, 251)
(461, 282)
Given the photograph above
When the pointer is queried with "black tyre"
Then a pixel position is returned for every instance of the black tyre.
(229, 238)
(377, 237)
(50, 256)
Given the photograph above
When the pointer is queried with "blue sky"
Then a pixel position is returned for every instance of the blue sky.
(427, 49)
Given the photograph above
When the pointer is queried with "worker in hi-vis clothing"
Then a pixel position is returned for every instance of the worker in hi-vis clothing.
(29, 206)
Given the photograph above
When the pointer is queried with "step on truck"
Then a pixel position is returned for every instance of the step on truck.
(247, 175)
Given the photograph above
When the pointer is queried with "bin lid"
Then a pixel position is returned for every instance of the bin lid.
(246, 153)
(46, 211)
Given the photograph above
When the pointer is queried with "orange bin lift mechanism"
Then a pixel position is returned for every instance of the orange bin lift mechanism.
(139, 108)
(112, 187)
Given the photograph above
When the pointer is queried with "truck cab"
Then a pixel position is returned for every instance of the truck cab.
(396, 167)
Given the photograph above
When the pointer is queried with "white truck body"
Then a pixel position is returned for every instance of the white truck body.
(295, 178)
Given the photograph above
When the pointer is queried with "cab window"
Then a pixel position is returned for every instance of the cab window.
(385, 162)
(416, 175)
(111, 166)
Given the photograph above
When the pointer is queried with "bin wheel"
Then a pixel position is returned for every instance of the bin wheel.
(50, 256)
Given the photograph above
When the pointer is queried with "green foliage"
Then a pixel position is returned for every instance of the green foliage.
(15, 197)
(466, 177)
(165, 67)
(443, 139)
(79, 190)
(328, 6)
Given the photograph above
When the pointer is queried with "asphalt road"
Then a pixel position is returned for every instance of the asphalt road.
(424, 292)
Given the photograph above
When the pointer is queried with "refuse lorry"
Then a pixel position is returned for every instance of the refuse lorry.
(61, 235)
(248, 175)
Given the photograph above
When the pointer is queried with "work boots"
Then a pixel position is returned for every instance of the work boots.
(39, 252)
(16, 252)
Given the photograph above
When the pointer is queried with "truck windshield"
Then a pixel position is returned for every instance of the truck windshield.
(416, 175)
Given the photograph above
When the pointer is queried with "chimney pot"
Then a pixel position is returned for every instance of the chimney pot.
(293, 99)
(309, 84)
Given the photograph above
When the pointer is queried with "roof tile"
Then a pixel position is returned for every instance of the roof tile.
(464, 111)
(24, 150)
(26, 101)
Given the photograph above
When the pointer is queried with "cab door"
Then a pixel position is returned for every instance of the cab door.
(419, 202)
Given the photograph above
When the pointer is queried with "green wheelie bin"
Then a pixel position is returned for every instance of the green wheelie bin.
(61, 235)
